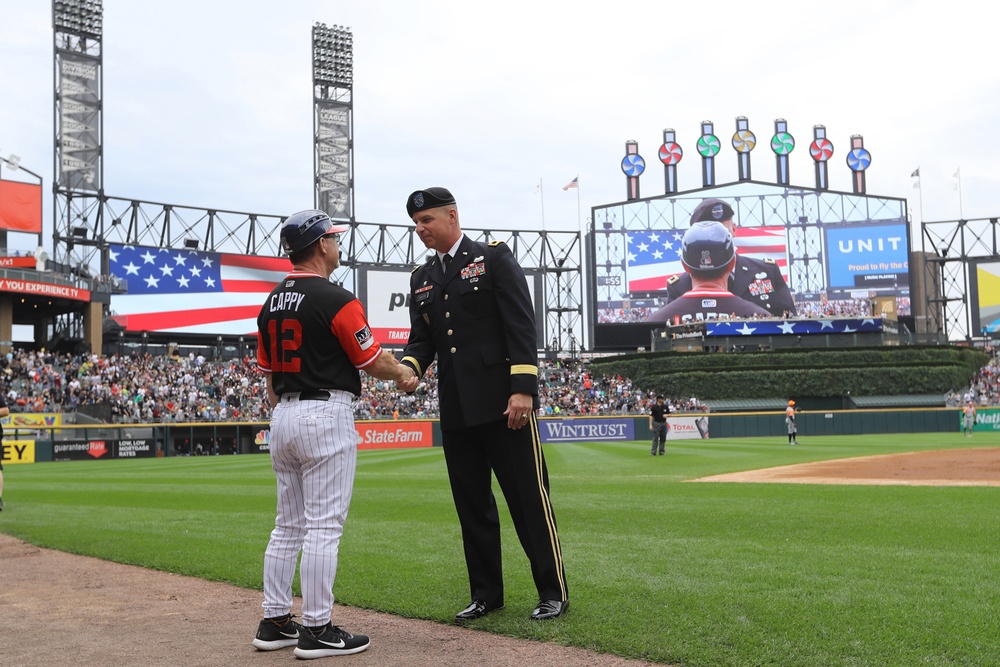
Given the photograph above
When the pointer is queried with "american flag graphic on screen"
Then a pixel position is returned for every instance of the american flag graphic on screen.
(654, 255)
(188, 291)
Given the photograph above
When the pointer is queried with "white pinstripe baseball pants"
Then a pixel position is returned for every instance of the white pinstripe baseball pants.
(314, 452)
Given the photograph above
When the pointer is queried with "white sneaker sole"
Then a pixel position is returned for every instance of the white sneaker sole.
(310, 653)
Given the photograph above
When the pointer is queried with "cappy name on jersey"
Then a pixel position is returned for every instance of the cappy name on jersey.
(286, 301)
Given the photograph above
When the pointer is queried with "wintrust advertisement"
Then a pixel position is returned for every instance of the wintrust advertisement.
(586, 429)
(590, 429)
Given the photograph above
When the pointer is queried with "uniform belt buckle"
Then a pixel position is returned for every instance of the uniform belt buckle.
(320, 395)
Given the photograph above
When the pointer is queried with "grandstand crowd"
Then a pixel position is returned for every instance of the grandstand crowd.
(984, 389)
(805, 310)
(145, 388)
(160, 388)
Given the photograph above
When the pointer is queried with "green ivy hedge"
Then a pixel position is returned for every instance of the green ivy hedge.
(821, 372)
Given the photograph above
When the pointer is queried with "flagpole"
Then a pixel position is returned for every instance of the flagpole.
(542, 191)
(579, 217)
(958, 175)
(920, 195)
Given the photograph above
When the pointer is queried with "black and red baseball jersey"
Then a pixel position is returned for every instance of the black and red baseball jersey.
(702, 304)
(313, 334)
(753, 280)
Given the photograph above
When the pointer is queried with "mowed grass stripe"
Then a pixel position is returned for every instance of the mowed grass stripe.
(658, 567)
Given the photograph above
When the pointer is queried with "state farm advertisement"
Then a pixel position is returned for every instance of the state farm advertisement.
(394, 434)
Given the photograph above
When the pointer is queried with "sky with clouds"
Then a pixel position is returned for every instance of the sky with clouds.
(209, 103)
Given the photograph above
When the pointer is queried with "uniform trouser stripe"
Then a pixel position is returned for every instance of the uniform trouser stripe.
(550, 519)
(515, 456)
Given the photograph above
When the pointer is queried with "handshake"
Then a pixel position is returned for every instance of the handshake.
(406, 379)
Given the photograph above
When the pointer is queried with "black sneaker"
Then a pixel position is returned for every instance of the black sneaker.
(331, 641)
(278, 632)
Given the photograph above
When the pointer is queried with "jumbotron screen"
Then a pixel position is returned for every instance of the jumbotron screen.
(837, 252)
(984, 305)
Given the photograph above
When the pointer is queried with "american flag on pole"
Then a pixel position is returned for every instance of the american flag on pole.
(653, 256)
(575, 183)
(187, 291)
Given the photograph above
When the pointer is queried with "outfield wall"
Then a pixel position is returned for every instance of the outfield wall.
(54, 440)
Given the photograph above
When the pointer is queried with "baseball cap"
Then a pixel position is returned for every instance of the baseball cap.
(712, 209)
(304, 228)
(707, 246)
(791, 402)
(429, 198)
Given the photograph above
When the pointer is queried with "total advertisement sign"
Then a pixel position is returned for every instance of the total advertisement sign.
(387, 305)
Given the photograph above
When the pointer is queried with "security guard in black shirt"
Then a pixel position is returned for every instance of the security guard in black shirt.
(757, 281)
(471, 309)
(708, 255)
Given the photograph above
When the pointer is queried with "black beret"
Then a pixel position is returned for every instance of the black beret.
(712, 209)
(429, 198)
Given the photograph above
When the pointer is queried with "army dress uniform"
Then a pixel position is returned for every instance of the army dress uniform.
(477, 319)
(753, 280)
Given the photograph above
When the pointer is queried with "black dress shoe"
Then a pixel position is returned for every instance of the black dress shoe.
(549, 609)
(477, 609)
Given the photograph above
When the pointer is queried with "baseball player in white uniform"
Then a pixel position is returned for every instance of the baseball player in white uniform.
(313, 338)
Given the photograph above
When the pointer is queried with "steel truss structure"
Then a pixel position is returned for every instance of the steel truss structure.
(557, 256)
(951, 248)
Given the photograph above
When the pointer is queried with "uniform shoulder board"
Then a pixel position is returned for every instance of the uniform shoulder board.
(768, 260)
(672, 279)
(495, 243)
(415, 268)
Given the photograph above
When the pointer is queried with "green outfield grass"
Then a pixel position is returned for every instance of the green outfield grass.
(703, 574)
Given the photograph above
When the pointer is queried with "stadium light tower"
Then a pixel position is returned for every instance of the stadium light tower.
(78, 27)
(333, 120)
